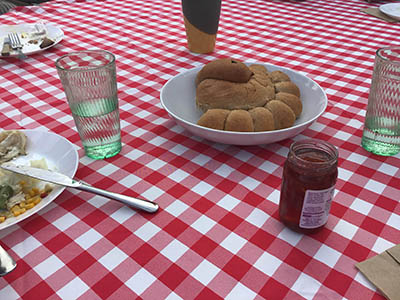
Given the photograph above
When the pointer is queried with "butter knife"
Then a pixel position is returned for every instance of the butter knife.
(61, 179)
(7, 264)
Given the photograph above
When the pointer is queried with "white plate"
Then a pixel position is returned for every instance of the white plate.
(60, 155)
(53, 32)
(391, 9)
(178, 99)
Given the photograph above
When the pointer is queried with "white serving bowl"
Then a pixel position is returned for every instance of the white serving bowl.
(178, 99)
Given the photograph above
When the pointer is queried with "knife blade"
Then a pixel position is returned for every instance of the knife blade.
(64, 180)
(7, 263)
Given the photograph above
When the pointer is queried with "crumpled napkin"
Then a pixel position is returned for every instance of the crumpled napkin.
(383, 271)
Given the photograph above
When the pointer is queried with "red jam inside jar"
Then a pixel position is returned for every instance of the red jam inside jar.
(309, 178)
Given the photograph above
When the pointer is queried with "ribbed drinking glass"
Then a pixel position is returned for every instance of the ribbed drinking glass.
(90, 84)
(381, 133)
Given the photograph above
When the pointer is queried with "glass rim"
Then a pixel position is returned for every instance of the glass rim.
(59, 67)
(378, 53)
(319, 144)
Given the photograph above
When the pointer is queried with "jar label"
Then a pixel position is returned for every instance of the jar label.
(316, 207)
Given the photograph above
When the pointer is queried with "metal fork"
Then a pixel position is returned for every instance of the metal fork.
(15, 43)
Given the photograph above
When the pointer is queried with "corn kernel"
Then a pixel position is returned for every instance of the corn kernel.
(33, 199)
(37, 200)
(29, 205)
(2, 219)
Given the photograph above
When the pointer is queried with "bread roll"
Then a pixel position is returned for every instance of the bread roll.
(225, 69)
(284, 116)
(256, 119)
(215, 93)
(258, 69)
(214, 118)
(278, 76)
(264, 80)
(239, 120)
(263, 120)
(287, 87)
(240, 98)
(292, 101)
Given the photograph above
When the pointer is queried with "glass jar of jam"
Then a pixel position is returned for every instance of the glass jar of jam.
(308, 184)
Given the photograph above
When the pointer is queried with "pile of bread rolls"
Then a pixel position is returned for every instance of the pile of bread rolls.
(237, 97)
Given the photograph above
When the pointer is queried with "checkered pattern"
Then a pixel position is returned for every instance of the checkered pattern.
(217, 235)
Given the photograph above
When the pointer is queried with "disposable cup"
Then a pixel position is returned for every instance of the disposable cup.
(201, 18)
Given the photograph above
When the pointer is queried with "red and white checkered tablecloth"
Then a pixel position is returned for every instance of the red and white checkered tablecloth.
(217, 234)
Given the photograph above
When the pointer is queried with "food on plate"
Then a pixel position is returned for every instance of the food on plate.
(241, 88)
(214, 118)
(12, 144)
(34, 42)
(18, 193)
(225, 69)
(256, 119)
(43, 42)
(292, 101)
(287, 87)
(46, 42)
(237, 97)
(284, 116)
(278, 76)
(239, 120)
(263, 119)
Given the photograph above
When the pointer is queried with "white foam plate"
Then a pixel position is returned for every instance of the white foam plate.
(60, 155)
(391, 9)
(178, 99)
(25, 32)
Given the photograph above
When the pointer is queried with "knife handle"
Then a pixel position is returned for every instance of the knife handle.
(141, 204)
(6, 49)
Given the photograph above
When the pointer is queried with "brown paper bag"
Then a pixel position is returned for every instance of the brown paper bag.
(383, 271)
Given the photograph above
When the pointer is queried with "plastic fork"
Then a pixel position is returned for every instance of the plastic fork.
(15, 43)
